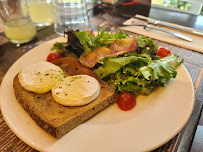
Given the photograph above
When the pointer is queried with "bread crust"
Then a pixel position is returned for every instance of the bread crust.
(55, 118)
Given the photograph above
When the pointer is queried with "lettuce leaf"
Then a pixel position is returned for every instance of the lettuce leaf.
(137, 74)
(91, 42)
(164, 67)
(146, 46)
(86, 40)
(112, 65)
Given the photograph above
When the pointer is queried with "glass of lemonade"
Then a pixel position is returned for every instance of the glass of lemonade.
(17, 24)
(41, 12)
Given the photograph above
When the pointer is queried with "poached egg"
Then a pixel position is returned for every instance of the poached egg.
(40, 77)
(77, 90)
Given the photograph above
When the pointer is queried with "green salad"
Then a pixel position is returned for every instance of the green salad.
(139, 71)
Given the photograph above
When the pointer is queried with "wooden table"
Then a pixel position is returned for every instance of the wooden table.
(9, 53)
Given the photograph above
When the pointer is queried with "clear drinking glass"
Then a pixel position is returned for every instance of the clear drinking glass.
(70, 13)
(17, 24)
(41, 12)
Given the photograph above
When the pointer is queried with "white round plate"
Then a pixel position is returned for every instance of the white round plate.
(155, 119)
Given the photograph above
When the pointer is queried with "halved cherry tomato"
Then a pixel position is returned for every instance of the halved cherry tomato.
(53, 56)
(126, 101)
(163, 52)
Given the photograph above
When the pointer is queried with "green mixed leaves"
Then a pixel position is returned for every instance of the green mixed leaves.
(112, 65)
(58, 46)
(83, 42)
(91, 42)
(146, 46)
(137, 74)
(140, 71)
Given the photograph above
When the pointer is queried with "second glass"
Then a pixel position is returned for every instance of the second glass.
(70, 13)
(41, 12)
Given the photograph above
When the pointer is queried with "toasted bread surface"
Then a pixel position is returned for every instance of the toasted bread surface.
(57, 119)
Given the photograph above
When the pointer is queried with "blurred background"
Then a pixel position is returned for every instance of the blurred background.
(189, 6)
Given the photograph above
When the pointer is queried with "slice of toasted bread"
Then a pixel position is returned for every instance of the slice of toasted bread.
(57, 119)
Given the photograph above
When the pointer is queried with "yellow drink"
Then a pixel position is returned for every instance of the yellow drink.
(41, 13)
(20, 30)
(158, 2)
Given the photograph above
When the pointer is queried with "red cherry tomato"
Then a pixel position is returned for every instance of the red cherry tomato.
(126, 101)
(163, 52)
(53, 56)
